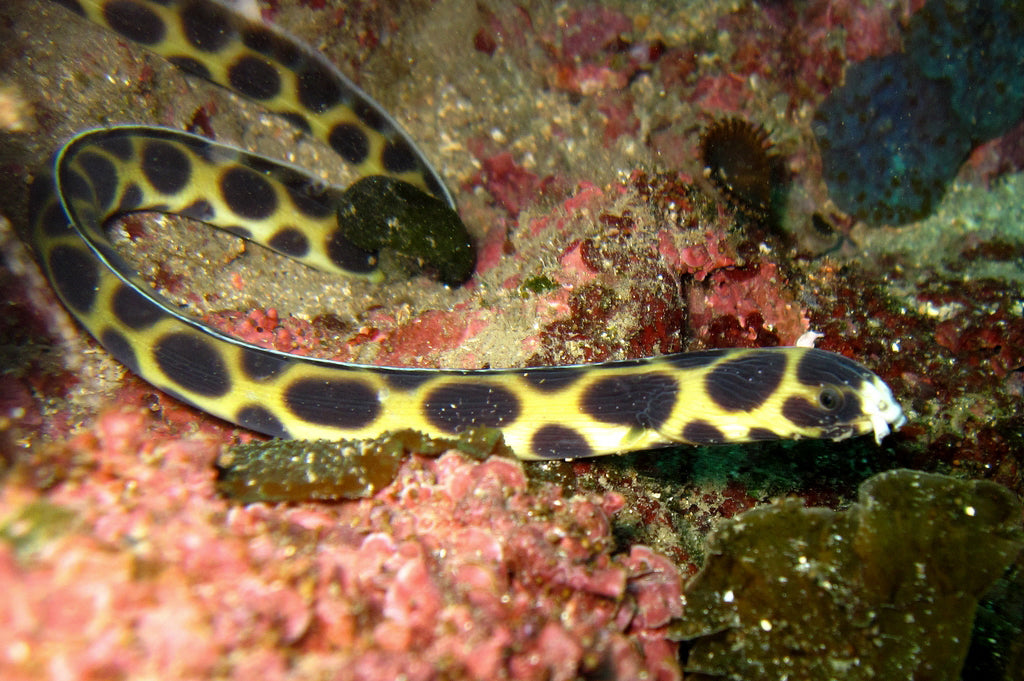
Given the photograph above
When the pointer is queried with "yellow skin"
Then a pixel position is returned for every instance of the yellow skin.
(735, 395)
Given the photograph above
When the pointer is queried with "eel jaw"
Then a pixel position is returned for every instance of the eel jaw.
(882, 408)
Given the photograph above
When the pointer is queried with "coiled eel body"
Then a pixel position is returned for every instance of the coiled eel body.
(716, 396)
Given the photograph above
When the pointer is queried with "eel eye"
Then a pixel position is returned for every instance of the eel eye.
(830, 399)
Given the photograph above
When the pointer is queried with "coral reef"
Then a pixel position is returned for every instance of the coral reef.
(569, 134)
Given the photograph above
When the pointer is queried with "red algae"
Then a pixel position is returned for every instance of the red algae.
(511, 185)
(416, 342)
(698, 260)
(597, 53)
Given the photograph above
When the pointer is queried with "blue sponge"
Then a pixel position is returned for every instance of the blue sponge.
(978, 47)
(896, 132)
(889, 141)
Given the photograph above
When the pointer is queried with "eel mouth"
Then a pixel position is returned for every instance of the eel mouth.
(885, 412)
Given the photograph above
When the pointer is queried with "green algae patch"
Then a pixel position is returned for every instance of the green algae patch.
(885, 589)
(382, 212)
(329, 470)
(35, 525)
(538, 284)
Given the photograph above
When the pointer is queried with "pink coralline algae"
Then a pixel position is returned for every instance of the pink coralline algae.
(511, 185)
(596, 53)
(753, 292)
(458, 570)
(700, 259)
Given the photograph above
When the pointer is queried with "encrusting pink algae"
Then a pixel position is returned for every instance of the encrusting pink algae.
(459, 569)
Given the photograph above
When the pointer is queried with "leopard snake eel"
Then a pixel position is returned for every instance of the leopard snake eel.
(716, 396)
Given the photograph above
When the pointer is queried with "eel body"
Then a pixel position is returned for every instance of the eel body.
(717, 396)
